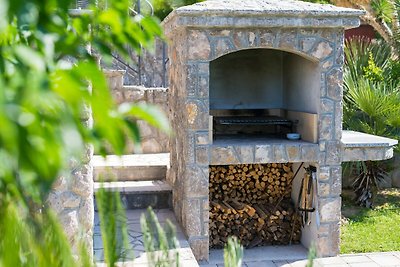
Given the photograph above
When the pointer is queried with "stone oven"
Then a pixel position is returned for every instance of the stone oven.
(242, 74)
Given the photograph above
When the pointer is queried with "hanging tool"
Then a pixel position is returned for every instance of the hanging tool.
(307, 195)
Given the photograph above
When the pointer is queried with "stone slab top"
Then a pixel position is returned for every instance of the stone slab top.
(264, 7)
(134, 186)
(243, 140)
(358, 139)
(262, 14)
(134, 160)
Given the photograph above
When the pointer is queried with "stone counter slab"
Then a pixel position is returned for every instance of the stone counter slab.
(358, 146)
(358, 139)
(265, 151)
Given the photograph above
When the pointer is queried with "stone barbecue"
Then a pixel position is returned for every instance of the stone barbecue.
(234, 65)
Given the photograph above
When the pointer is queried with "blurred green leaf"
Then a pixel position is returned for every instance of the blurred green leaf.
(51, 85)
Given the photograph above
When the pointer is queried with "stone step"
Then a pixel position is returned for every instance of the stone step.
(141, 194)
(136, 167)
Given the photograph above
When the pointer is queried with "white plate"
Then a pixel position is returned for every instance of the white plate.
(293, 136)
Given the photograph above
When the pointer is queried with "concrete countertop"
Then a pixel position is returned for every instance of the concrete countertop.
(358, 139)
(363, 147)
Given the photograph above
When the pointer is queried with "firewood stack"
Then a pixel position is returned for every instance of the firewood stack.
(253, 202)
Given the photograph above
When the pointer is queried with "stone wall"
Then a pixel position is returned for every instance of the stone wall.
(72, 199)
(197, 39)
(153, 140)
(395, 173)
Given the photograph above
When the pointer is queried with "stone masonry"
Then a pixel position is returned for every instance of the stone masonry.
(72, 199)
(153, 140)
(203, 32)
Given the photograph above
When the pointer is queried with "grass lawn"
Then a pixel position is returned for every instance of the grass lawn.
(367, 230)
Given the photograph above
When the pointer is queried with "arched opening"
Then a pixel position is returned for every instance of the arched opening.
(261, 83)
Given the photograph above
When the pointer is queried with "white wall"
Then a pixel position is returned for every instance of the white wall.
(250, 79)
(308, 232)
(264, 79)
(301, 84)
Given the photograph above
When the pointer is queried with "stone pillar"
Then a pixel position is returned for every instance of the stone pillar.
(330, 135)
(189, 176)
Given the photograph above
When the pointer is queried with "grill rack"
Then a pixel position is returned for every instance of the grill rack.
(250, 120)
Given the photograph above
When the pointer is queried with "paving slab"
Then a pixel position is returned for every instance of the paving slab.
(263, 254)
(364, 264)
(259, 263)
(299, 263)
(330, 261)
(281, 263)
(136, 253)
(385, 260)
(355, 258)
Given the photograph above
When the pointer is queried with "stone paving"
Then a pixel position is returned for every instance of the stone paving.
(136, 255)
(273, 256)
(263, 258)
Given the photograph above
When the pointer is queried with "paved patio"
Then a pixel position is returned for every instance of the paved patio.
(376, 259)
(135, 255)
(273, 256)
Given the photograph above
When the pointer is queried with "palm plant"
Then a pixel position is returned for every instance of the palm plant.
(371, 105)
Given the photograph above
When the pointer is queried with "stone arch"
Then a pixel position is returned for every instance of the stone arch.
(227, 41)
(302, 54)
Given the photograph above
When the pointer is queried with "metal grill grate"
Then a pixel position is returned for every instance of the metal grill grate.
(252, 120)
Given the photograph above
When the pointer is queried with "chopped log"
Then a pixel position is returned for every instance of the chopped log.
(252, 202)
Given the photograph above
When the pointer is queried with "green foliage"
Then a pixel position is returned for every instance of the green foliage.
(383, 9)
(371, 105)
(312, 254)
(27, 243)
(359, 51)
(372, 72)
(46, 71)
(163, 7)
(41, 104)
(371, 89)
(113, 226)
(393, 70)
(371, 230)
(160, 245)
(366, 183)
(233, 253)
